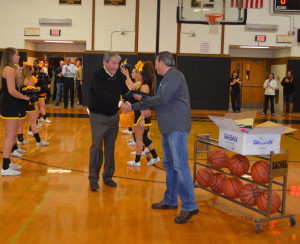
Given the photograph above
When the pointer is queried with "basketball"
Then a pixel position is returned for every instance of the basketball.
(238, 164)
(232, 187)
(218, 158)
(216, 182)
(203, 176)
(262, 201)
(249, 194)
(260, 171)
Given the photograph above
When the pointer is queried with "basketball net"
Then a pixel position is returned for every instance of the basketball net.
(214, 21)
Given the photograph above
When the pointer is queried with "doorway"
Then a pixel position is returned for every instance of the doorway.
(252, 72)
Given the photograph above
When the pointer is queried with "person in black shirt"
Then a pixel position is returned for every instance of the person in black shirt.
(288, 84)
(107, 85)
(235, 84)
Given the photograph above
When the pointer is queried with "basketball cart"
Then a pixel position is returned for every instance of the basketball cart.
(278, 168)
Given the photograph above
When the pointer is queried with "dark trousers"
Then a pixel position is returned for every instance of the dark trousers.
(54, 91)
(267, 98)
(68, 86)
(235, 100)
(79, 91)
(104, 129)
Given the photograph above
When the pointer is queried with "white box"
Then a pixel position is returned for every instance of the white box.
(258, 141)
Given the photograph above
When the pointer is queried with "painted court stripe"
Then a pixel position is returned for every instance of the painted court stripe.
(23, 228)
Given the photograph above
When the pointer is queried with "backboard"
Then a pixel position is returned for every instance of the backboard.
(194, 11)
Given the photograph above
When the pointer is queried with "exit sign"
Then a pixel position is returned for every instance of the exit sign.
(54, 32)
(260, 38)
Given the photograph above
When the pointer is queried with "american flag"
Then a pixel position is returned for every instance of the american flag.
(247, 3)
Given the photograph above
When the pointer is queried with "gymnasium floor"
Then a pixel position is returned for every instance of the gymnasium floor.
(51, 201)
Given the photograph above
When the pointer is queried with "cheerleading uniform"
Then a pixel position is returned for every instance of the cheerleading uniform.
(43, 82)
(29, 107)
(137, 113)
(11, 107)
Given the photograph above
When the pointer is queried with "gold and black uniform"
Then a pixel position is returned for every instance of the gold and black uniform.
(11, 107)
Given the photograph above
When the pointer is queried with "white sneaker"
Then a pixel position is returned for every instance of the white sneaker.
(16, 154)
(14, 166)
(9, 172)
(130, 140)
(41, 120)
(39, 125)
(20, 150)
(153, 161)
(133, 163)
(42, 143)
(47, 121)
(127, 132)
(143, 153)
(22, 142)
(133, 143)
(30, 133)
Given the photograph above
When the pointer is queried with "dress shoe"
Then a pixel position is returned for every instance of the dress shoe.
(161, 205)
(56, 104)
(110, 183)
(65, 106)
(94, 185)
(184, 216)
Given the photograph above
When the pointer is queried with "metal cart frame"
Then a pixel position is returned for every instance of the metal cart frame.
(278, 168)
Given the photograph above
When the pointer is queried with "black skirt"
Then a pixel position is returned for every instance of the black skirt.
(12, 109)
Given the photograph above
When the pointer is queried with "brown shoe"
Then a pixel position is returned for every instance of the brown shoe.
(161, 205)
(56, 104)
(184, 216)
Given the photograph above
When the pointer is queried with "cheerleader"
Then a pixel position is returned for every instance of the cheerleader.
(11, 107)
(145, 74)
(43, 84)
(131, 86)
(28, 83)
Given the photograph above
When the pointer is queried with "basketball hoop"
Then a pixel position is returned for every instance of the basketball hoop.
(214, 21)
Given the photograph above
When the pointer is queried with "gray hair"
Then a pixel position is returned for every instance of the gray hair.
(108, 55)
(167, 58)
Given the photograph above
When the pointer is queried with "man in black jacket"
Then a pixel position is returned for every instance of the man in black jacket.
(107, 84)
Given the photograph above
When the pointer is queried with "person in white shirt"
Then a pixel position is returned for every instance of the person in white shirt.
(68, 72)
(270, 86)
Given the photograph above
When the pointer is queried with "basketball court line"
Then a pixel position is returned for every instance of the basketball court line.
(23, 228)
(86, 172)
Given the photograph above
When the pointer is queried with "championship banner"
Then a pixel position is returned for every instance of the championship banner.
(115, 2)
(77, 2)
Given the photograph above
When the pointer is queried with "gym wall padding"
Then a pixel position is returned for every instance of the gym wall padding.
(207, 77)
(208, 81)
(293, 65)
(92, 62)
(23, 56)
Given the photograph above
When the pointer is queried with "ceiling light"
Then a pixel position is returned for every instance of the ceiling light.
(59, 41)
(253, 47)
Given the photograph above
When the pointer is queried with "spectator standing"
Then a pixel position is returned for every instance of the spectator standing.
(78, 80)
(68, 72)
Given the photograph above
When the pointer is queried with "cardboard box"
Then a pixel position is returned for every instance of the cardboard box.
(257, 141)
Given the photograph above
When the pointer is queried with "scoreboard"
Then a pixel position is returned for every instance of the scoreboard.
(286, 5)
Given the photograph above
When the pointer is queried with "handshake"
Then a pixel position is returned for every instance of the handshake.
(126, 106)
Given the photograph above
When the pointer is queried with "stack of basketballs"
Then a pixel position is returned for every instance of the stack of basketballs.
(232, 187)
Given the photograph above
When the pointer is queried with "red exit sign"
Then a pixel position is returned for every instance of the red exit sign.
(54, 32)
(260, 38)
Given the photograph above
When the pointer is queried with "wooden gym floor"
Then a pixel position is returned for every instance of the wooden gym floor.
(51, 201)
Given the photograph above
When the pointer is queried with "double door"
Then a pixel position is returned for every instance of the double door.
(252, 72)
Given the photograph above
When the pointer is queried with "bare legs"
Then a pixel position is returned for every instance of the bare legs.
(10, 133)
